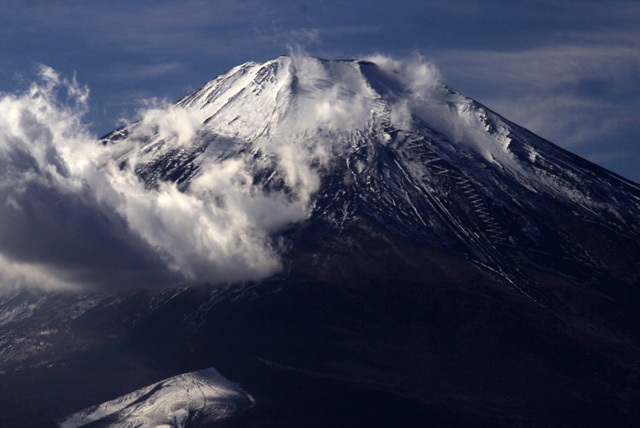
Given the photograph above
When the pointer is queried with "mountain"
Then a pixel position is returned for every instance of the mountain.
(367, 247)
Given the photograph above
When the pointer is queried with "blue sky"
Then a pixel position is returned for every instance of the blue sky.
(569, 71)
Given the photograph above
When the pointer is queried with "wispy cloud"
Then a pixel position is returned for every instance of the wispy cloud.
(566, 119)
(144, 71)
(451, 6)
(605, 156)
(573, 93)
(192, 26)
(350, 30)
(143, 26)
(546, 66)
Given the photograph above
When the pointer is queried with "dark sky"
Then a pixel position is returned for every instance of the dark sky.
(569, 71)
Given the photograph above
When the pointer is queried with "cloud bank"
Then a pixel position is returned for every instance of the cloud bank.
(59, 222)
(70, 218)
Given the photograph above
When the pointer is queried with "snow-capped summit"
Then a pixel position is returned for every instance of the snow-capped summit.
(324, 108)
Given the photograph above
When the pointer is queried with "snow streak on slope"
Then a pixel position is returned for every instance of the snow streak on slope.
(203, 396)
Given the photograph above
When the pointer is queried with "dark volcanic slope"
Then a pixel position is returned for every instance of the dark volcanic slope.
(450, 269)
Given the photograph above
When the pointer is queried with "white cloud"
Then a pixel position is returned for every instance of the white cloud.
(144, 71)
(550, 89)
(70, 218)
(566, 119)
(149, 27)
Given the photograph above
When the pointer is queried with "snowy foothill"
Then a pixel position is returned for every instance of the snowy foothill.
(205, 395)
